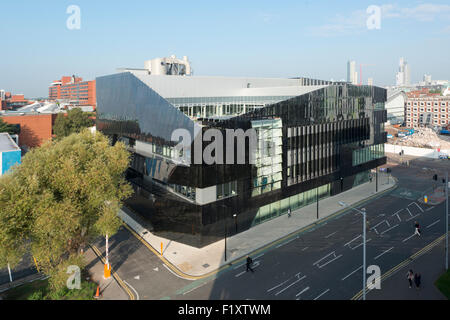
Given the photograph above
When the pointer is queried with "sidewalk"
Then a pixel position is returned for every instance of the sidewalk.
(396, 287)
(196, 262)
(109, 289)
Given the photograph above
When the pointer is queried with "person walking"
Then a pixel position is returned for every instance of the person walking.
(417, 226)
(289, 212)
(417, 280)
(249, 264)
(410, 277)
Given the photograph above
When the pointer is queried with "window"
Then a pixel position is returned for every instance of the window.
(226, 190)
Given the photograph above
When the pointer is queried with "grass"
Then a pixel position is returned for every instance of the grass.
(39, 290)
(443, 284)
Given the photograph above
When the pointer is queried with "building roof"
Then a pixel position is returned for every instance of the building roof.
(7, 143)
(170, 86)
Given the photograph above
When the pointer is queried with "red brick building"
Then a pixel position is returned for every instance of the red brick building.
(423, 108)
(74, 90)
(11, 102)
(35, 129)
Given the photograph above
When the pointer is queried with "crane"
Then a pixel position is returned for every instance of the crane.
(360, 71)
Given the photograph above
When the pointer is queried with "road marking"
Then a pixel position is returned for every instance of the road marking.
(278, 285)
(416, 205)
(204, 283)
(175, 274)
(352, 241)
(351, 273)
(396, 214)
(379, 256)
(256, 265)
(429, 209)
(409, 238)
(304, 249)
(330, 235)
(303, 291)
(433, 223)
(359, 245)
(326, 291)
(413, 217)
(257, 257)
(290, 285)
(137, 294)
(334, 259)
(280, 245)
(389, 229)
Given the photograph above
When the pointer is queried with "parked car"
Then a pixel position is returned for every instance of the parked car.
(444, 156)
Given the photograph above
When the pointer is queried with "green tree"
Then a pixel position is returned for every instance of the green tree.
(63, 195)
(9, 128)
(74, 122)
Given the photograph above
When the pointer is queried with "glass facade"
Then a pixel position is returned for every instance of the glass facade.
(315, 144)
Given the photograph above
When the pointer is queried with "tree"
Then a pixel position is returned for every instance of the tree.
(9, 128)
(63, 195)
(74, 122)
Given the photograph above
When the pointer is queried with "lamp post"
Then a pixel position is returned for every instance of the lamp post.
(363, 212)
(226, 231)
(235, 222)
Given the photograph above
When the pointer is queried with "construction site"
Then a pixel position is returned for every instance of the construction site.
(418, 137)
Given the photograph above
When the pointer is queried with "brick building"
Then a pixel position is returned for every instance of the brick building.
(35, 128)
(73, 90)
(423, 109)
(10, 101)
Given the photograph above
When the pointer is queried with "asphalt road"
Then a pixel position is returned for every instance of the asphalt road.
(324, 263)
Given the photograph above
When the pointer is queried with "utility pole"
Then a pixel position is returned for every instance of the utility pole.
(317, 198)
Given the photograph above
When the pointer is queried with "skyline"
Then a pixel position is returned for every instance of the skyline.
(255, 39)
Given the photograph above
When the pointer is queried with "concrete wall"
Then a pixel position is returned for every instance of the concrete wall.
(417, 152)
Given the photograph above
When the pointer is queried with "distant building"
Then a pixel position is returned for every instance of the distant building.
(370, 81)
(12, 102)
(395, 106)
(403, 75)
(10, 153)
(352, 75)
(425, 109)
(74, 91)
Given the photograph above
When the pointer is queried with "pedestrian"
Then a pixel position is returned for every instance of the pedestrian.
(249, 264)
(410, 277)
(417, 280)
(289, 212)
(417, 226)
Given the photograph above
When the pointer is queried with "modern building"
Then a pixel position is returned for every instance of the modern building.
(74, 91)
(314, 141)
(395, 106)
(10, 153)
(352, 74)
(403, 77)
(425, 109)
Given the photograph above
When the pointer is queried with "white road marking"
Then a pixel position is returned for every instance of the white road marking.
(429, 209)
(326, 291)
(303, 291)
(353, 272)
(409, 238)
(433, 223)
(290, 285)
(320, 267)
(359, 245)
(278, 285)
(416, 205)
(390, 229)
(352, 241)
(195, 288)
(413, 217)
(379, 256)
(330, 235)
(137, 294)
(304, 249)
(259, 256)
(254, 266)
(280, 245)
(396, 214)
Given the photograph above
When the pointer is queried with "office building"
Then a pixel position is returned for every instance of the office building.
(352, 74)
(314, 141)
(74, 91)
(403, 77)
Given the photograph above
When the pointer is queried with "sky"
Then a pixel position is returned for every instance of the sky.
(221, 38)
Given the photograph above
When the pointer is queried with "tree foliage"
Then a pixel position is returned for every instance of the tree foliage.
(74, 122)
(9, 128)
(62, 196)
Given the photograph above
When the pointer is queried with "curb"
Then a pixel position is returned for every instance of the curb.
(239, 259)
(114, 274)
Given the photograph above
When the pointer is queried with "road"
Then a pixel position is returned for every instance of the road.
(324, 263)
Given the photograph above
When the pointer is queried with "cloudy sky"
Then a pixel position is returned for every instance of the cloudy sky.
(231, 38)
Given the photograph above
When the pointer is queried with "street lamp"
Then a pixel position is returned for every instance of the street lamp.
(226, 231)
(363, 212)
(235, 221)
